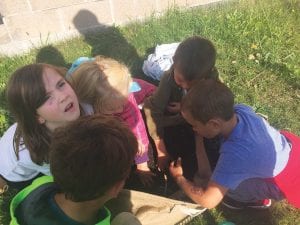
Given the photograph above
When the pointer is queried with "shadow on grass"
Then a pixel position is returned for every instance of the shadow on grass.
(280, 213)
(287, 75)
(209, 218)
(248, 216)
(4, 206)
(107, 40)
(51, 55)
(5, 118)
(103, 40)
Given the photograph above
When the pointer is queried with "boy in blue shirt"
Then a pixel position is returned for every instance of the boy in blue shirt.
(257, 163)
(89, 159)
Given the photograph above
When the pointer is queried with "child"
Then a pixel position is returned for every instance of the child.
(103, 86)
(90, 159)
(257, 163)
(41, 100)
(194, 59)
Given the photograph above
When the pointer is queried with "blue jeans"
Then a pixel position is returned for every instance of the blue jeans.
(255, 189)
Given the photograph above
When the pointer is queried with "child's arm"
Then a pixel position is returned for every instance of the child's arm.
(154, 108)
(209, 197)
(156, 105)
(144, 173)
(163, 158)
(141, 135)
(132, 116)
(204, 171)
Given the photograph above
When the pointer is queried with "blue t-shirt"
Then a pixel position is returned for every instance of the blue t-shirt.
(254, 149)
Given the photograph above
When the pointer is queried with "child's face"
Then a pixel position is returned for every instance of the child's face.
(115, 106)
(61, 104)
(180, 81)
(205, 130)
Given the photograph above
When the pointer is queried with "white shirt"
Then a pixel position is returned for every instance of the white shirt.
(14, 169)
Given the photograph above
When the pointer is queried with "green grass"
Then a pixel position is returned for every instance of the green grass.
(258, 57)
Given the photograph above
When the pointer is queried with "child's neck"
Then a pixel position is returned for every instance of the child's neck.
(84, 212)
(228, 126)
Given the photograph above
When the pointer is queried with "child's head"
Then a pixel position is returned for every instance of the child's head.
(206, 103)
(194, 59)
(92, 157)
(103, 83)
(41, 100)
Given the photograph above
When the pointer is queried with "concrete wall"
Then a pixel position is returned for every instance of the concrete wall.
(28, 23)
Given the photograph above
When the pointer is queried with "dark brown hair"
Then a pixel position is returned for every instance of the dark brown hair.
(195, 58)
(90, 155)
(25, 93)
(209, 99)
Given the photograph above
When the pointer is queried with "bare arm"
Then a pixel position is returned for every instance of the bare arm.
(163, 158)
(204, 171)
(209, 197)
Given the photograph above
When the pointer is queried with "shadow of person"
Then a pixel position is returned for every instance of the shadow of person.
(51, 55)
(284, 73)
(209, 218)
(108, 41)
(251, 216)
(5, 204)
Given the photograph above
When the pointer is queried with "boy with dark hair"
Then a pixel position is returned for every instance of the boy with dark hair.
(194, 60)
(89, 159)
(257, 163)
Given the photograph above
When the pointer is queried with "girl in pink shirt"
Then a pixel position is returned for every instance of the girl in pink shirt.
(105, 86)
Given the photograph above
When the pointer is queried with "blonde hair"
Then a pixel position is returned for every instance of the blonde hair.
(100, 82)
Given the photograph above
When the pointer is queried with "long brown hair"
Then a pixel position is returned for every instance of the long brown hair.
(25, 93)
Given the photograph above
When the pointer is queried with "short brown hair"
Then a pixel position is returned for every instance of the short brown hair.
(90, 155)
(209, 99)
(195, 58)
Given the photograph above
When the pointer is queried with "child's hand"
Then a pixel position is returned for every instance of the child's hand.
(145, 174)
(174, 107)
(163, 158)
(175, 168)
(163, 162)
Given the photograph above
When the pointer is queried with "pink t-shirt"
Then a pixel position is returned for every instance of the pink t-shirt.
(132, 116)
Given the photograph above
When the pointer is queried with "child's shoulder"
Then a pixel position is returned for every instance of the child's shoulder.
(8, 135)
(242, 108)
(167, 79)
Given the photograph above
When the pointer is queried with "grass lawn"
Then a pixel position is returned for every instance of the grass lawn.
(258, 58)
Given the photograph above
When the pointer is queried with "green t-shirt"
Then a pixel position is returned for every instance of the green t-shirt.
(35, 205)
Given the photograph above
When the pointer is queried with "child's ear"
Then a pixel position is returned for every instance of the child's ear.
(215, 124)
(114, 191)
(41, 120)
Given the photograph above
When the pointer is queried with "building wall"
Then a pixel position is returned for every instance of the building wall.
(28, 23)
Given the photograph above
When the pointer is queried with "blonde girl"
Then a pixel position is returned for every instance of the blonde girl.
(104, 85)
